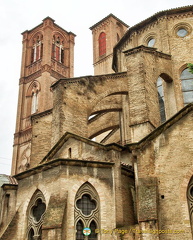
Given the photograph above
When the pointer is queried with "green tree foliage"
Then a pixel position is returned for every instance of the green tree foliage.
(190, 66)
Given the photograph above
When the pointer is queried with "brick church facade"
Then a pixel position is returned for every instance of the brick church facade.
(108, 156)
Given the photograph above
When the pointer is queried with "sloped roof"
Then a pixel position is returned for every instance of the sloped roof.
(6, 179)
(68, 135)
(53, 23)
(110, 15)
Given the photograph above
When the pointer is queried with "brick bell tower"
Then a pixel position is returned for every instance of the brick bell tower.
(48, 55)
(106, 33)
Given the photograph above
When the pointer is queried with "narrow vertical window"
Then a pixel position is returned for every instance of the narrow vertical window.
(160, 92)
(70, 152)
(37, 49)
(187, 86)
(102, 44)
(34, 106)
(79, 230)
(58, 49)
(118, 38)
(93, 234)
(31, 234)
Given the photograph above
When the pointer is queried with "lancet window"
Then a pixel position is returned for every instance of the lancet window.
(161, 100)
(37, 49)
(58, 49)
(32, 95)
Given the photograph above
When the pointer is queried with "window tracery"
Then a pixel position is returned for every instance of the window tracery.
(86, 212)
(58, 48)
(36, 213)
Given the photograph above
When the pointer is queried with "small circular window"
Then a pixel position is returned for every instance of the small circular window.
(151, 42)
(182, 32)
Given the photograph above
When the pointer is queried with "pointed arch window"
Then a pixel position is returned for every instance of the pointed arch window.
(190, 201)
(36, 213)
(34, 107)
(102, 44)
(58, 49)
(37, 49)
(86, 212)
(33, 93)
(160, 92)
(187, 86)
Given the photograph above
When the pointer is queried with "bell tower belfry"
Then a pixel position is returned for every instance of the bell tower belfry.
(106, 33)
(48, 55)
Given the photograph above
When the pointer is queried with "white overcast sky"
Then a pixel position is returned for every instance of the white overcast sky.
(76, 16)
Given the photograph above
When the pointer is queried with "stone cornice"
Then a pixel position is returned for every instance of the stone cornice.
(103, 59)
(147, 50)
(58, 162)
(7, 186)
(30, 78)
(42, 114)
(89, 78)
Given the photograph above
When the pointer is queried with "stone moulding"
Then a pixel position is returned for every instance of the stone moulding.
(76, 80)
(57, 162)
(145, 49)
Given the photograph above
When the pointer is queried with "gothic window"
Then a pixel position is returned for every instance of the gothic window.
(34, 106)
(86, 212)
(32, 94)
(190, 200)
(187, 86)
(58, 49)
(102, 44)
(36, 213)
(37, 49)
(160, 92)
